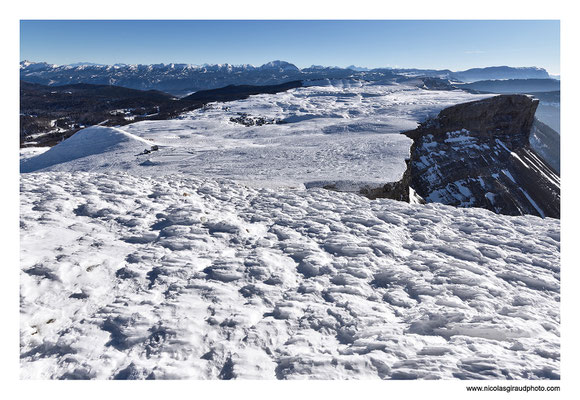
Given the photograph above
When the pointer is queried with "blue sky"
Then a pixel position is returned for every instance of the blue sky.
(455, 45)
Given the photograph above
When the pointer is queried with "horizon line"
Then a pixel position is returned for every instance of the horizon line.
(90, 63)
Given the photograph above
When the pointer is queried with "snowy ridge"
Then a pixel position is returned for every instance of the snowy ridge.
(130, 278)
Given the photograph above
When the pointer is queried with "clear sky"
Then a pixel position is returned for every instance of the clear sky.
(455, 45)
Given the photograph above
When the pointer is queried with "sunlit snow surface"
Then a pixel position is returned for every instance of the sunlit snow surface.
(173, 277)
(169, 270)
(346, 134)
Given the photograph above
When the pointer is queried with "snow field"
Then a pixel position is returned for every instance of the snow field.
(127, 277)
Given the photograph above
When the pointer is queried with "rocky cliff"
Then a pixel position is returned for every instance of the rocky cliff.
(478, 154)
(546, 142)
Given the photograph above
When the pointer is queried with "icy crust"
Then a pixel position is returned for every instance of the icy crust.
(126, 277)
(343, 135)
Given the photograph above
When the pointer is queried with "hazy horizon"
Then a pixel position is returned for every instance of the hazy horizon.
(78, 63)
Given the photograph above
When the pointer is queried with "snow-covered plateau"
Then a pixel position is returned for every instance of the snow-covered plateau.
(345, 134)
(202, 248)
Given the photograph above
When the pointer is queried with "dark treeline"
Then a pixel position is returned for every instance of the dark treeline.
(63, 110)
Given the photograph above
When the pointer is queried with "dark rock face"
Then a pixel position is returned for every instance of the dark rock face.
(478, 154)
(546, 142)
(392, 190)
(508, 118)
(248, 120)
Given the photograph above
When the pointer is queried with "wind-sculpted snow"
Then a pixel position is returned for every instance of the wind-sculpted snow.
(126, 277)
(345, 134)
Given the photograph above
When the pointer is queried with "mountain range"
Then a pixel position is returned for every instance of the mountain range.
(183, 79)
(514, 85)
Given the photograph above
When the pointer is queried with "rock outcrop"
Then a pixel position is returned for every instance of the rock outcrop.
(478, 154)
(507, 117)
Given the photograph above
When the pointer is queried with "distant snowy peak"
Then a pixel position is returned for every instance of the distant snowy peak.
(35, 66)
(280, 65)
(25, 64)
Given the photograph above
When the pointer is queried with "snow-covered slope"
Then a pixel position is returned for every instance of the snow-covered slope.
(99, 144)
(173, 277)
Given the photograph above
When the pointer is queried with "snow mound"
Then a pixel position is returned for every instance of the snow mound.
(96, 140)
(175, 277)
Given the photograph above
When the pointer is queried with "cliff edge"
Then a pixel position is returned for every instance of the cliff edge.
(478, 154)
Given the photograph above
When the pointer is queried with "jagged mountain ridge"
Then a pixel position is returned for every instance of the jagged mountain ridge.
(177, 79)
(182, 79)
(478, 154)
